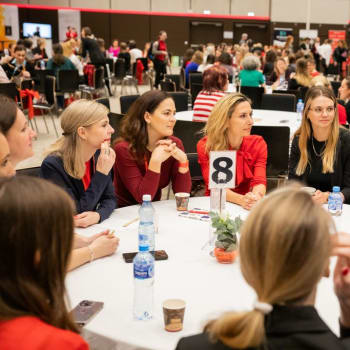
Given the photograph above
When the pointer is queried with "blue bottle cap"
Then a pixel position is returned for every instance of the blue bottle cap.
(336, 189)
(143, 248)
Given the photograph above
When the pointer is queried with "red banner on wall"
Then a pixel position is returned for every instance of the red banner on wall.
(335, 36)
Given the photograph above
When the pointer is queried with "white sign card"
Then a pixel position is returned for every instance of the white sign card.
(222, 169)
(311, 33)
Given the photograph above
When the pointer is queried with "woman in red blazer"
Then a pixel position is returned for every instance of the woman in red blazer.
(228, 128)
(35, 244)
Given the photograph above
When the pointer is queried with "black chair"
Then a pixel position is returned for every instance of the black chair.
(119, 69)
(10, 90)
(195, 90)
(98, 83)
(278, 102)
(195, 78)
(302, 92)
(144, 62)
(104, 101)
(39, 79)
(195, 168)
(176, 78)
(126, 102)
(68, 81)
(277, 140)
(181, 100)
(167, 85)
(189, 133)
(114, 120)
(335, 87)
(288, 92)
(255, 94)
(35, 171)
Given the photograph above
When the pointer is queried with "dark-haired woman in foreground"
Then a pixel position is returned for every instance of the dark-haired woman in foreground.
(35, 245)
(148, 157)
(283, 255)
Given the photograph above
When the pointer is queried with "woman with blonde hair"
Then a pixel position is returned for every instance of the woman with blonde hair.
(69, 52)
(301, 77)
(320, 149)
(283, 255)
(196, 61)
(81, 161)
(228, 128)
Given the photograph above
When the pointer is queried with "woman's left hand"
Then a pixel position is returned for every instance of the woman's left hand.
(87, 218)
(179, 155)
(320, 197)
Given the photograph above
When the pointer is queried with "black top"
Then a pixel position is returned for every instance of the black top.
(340, 54)
(96, 55)
(268, 68)
(39, 51)
(293, 84)
(341, 175)
(11, 70)
(126, 57)
(287, 328)
(273, 77)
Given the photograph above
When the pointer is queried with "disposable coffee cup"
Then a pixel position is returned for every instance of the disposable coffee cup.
(310, 190)
(182, 199)
(174, 311)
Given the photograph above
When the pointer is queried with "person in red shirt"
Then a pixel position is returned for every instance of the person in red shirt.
(311, 67)
(160, 52)
(35, 244)
(148, 157)
(228, 128)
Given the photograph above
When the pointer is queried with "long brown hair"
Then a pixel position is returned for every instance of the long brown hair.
(283, 255)
(305, 132)
(133, 128)
(36, 235)
(8, 113)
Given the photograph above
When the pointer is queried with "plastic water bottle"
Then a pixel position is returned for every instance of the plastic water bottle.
(300, 109)
(335, 202)
(146, 226)
(42, 65)
(143, 283)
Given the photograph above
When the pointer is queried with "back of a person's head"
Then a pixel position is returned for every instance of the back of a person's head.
(320, 80)
(35, 245)
(283, 255)
(57, 56)
(225, 58)
(250, 62)
(123, 46)
(215, 78)
(197, 57)
(132, 44)
(210, 59)
(301, 66)
(28, 43)
(87, 31)
(271, 56)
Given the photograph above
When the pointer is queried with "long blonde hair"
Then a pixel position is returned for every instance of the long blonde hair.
(217, 124)
(302, 76)
(69, 147)
(283, 255)
(305, 132)
(68, 47)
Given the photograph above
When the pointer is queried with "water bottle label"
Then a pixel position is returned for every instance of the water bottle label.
(143, 271)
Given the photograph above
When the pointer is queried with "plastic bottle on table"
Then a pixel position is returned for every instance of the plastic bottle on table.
(143, 283)
(335, 202)
(146, 226)
(300, 109)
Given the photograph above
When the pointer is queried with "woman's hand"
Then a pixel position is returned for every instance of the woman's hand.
(106, 159)
(82, 241)
(87, 218)
(104, 245)
(163, 151)
(320, 197)
(248, 200)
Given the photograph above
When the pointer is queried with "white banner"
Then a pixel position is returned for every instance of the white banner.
(9, 22)
(67, 18)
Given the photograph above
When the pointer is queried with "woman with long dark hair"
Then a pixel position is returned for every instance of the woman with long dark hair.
(148, 157)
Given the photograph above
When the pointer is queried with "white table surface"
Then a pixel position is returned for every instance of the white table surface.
(261, 117)
(190, 274)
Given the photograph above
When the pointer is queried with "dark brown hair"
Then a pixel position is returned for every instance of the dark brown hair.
(87, 31)
(134, 127)
(225, 58)
(19, 48)
(36, 236)
(214, 78)
(57, 56)
(8, 113)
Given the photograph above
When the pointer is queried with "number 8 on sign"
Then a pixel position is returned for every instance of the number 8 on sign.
(222, 171)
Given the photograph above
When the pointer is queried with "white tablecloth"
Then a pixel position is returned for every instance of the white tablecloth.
(190, 274)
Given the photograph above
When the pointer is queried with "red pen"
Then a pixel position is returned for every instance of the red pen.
(198, 212)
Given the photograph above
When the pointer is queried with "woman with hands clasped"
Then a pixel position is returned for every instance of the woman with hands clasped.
(320, 152)
(148, 157)
(81, 161)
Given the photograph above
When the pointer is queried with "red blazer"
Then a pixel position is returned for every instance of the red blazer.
(250, 163)
(30, 333)
(341, 114)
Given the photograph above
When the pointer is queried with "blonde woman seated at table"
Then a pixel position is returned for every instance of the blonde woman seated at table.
(35, 245)
(81, 161)
(284, 252)
(215, 83)
(228, 128)
(320, 149)
(301, 78)
(148, 157)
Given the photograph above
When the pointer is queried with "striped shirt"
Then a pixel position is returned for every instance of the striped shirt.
(204, 104)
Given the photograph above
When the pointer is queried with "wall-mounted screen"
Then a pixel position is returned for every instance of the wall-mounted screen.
(37, 29)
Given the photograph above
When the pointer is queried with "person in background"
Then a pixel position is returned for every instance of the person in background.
(81, 161)
(325, 51)
(301, 77)
(244, 39)
(28, 44)
(305, 46)
(280, 76)
(292, 63)
(208, 63)
(19, 66)
(225, 60)
(90, 46)
(39, 52)
(285, 280)
(6, 167)
(101, 45)
(270, 62)
(35, 245)
(148, 156)
(69, 52)
(58, 61)
(340, 54)
(289, 44)
(311, 67)
(315, 53)
(134, 52)
(250, 75)
(71, 33)
(344, 95)
(114, 48)
(228, 128)
(215, 83)
(320, 149)
(196, 61)
(161, 57)
(187, 57)
(124, 53)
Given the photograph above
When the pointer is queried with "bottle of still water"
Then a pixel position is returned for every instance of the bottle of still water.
(335, 202)
(146, 226)
(143, 281)
(300, 109)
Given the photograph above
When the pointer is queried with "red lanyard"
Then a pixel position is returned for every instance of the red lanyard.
(146, 163)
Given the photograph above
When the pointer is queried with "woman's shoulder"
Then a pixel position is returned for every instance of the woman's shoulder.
(176, 140)
(254, 140)
(53, 159)
(344, 135)
(200, 341)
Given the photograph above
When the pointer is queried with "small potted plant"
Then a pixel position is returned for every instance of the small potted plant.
(226, 237)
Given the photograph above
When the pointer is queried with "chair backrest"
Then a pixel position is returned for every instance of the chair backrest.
(35, 171)
(176, 78)
(277, 140)
(181, 100)
(50, 83)
(189, 133)
(119, 68)
(255, 94)
(27, 84)
(126, 102)
(110, 64)
(9, 90)
(195, 90)
(279, 102)
(68, 80)
(302, 92)
(195, 168)
(288, 92)
(39, 79)
(114, 120)
(335, 87)
(104, 101)
(99, 81)
(167, 85)
(144, 62)
(195, 77)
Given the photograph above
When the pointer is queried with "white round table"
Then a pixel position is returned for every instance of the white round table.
(190, 274)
